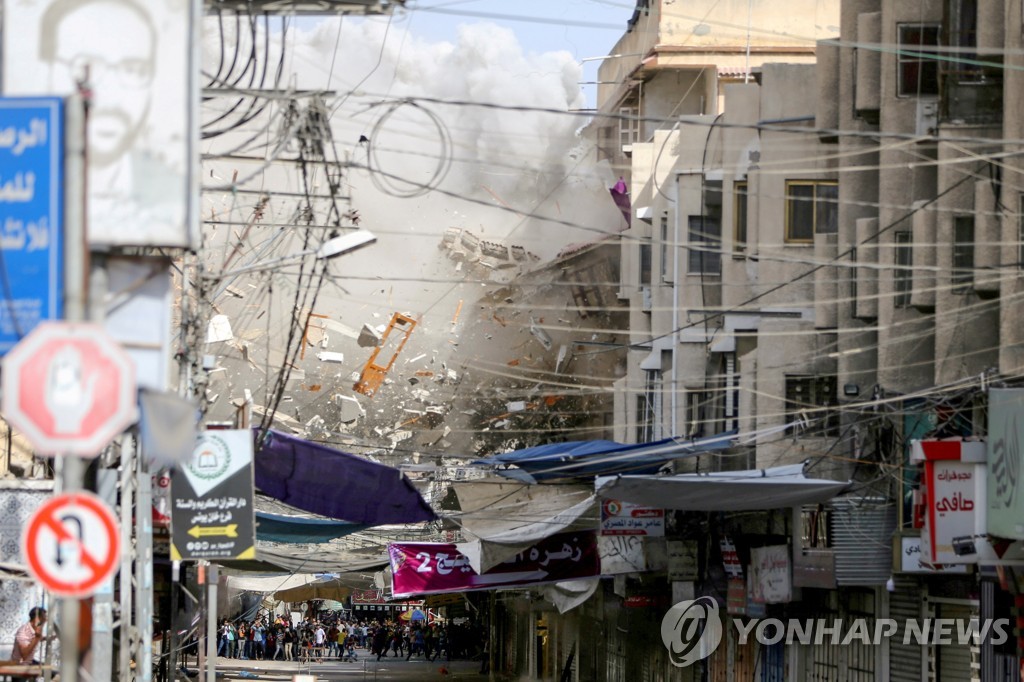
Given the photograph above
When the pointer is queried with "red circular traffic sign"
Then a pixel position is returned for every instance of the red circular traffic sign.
(71, 544)
(69, 388)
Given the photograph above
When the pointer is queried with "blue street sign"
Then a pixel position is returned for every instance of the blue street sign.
(31, 215)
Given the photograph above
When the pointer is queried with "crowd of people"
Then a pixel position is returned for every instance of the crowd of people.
(315, 640)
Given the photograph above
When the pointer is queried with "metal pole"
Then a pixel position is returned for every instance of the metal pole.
(211, 623)
(127, 555)
(202, 631)
(492, 639)
(144, 569)
(75, 305)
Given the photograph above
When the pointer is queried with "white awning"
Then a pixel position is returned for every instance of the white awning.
(502, 518)
(774, 488)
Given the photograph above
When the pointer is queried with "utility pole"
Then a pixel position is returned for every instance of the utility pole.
(76, 269)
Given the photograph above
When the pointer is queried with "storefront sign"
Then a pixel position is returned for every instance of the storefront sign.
(770, 569)
(952, 506)
(736, 597)
(1005, 460)
(910, 559)
(682, 560)
(730, 558)
(363, 597)
(431, 568)
(626, 518)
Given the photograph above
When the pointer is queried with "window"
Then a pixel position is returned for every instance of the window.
(648, 412)
(1020, 232)
(963, 253)
(739, 217)
(695, 400)
(904, 260)
(666, 250)
(705, 245)
(813, 398)
(812, 207)
(645, 264)
(817, 529)
(972, 86)
(917, 65)
(854, 274)
(629, 125)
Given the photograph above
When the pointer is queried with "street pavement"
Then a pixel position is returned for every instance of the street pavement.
(366, 668)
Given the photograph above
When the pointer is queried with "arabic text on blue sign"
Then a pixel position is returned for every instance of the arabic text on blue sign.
(31, 214)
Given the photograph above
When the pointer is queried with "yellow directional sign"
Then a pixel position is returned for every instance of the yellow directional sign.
(230, 530)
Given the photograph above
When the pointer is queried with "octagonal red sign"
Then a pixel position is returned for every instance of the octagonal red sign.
(69, 388)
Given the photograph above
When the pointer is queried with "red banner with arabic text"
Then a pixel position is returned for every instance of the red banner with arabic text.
(435, 568)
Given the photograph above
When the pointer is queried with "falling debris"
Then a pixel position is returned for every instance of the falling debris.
(317, 428)
(458, 311)
(349, 409)
(563, 353)
(219, 329)
(540, 335)
(330, 356)
(368, 337)
(516, 406)
(394, 340)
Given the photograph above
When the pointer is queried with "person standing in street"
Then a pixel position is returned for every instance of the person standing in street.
(319, 640)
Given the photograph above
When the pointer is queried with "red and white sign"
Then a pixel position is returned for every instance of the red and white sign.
(69, 388)
(71, 544)
(626, 518)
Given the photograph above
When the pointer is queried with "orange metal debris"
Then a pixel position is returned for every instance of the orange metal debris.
(374, 373)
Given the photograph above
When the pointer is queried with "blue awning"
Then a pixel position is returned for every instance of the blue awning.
(324, 481)
(587, 459)
(298, 530)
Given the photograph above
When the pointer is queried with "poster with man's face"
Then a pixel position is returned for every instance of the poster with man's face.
(136, 58)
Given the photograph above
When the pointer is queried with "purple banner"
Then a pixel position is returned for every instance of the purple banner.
(434, 568)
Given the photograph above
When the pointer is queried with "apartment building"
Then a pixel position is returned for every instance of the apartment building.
(824, 257)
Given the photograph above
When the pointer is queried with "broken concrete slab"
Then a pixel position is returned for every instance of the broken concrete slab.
(368, 337)
(330, 356)
(219, 329)
(349, 409)
(540, 334)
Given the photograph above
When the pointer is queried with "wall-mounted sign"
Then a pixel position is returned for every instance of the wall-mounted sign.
(771, 573)
(910, 559)
(626, 518)
(1006, 463)
(31, 227)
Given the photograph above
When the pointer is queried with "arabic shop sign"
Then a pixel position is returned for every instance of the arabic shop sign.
(31, 214)
(434, 568)
(771, 575)
(1005, 487)
(212, 499)
(952, 494)
(626, 518)
(910, 559)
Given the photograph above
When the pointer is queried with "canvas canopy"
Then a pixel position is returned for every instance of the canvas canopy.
(321, 480)
(300, 529)
(755, 489)
(587, 459)
(337, 589)
(502, 518)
